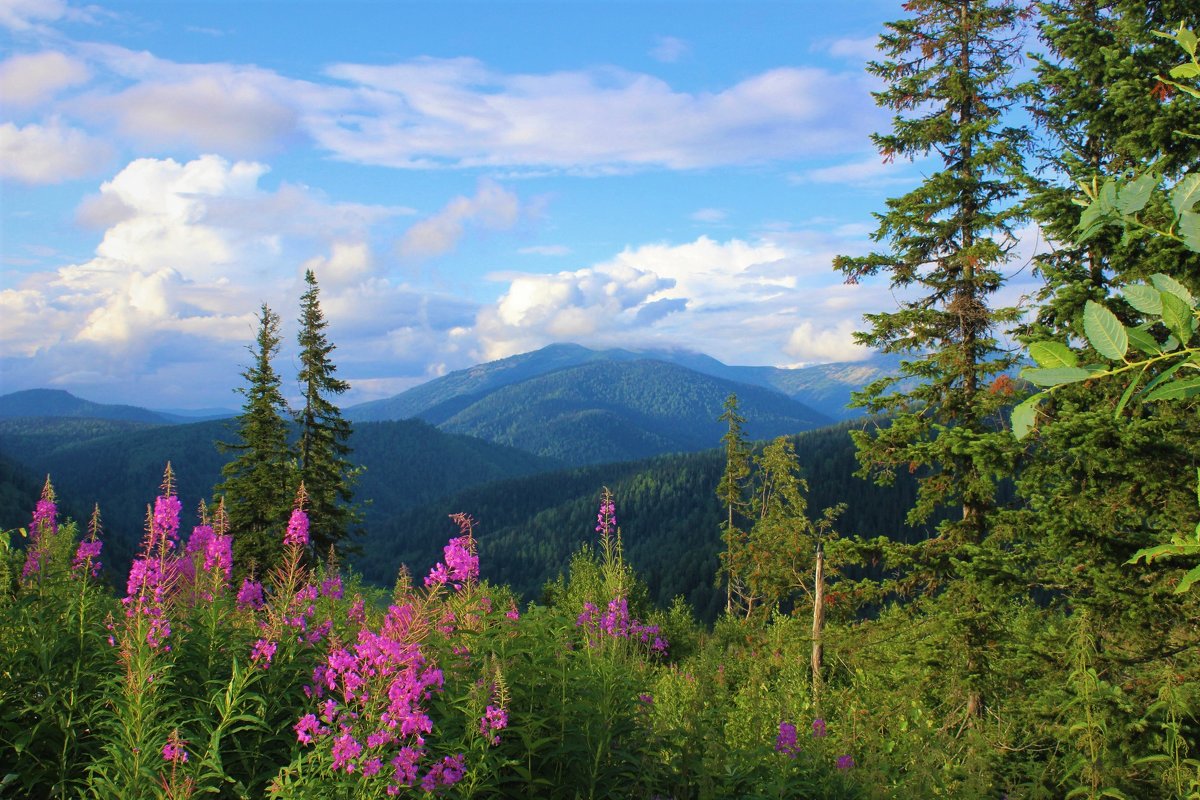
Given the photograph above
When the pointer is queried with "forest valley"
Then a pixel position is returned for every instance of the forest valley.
(1040, 642)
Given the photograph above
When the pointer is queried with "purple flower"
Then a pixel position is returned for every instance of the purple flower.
(512, 612)
(606, 519)
(297, 529)
(250, 595)
(785, 742)
(307, 727)
(345, 749)
(845, 762)
(494, 719)
(648, 699)
(262, 652)
(87, 553)
(44, 524)
(164, 526)
(332, 587)
(405, 765)
(462, 565)
(174, 750)
(818, 728)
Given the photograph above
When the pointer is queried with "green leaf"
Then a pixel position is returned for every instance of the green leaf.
(1105, 331)
(1185, 71)
(1177, 316)
(1133, 196)
(1165, 283)
(1186, 193)
(1140, 338)
(1055, 375)
(1186, 39)
(1176, 390)
(1186, 582)
(1189, 229)
(1054, 354)
(1144, 298)
(1024, 416)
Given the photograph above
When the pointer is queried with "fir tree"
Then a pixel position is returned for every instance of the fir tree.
(258, 483)
(948, 70)
(731, 493)
(324, 470)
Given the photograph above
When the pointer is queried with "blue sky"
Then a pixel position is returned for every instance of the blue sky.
(467, 180)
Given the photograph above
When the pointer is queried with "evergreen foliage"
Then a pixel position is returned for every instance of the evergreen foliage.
(323, 467)
(258, 482)
(731, 493)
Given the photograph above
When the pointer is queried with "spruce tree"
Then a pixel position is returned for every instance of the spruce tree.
(324, 434)
(948, 70)
(258, 483)
(731, 493)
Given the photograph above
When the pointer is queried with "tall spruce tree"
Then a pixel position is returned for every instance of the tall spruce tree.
(258, 483)
(324, 434)
(948, 70)
(731, 491)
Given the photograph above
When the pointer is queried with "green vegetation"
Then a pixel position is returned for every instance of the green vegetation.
(1032, 633)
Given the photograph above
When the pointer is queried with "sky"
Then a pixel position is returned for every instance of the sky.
(467, 181)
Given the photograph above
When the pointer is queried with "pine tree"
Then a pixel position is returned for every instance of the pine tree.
(258, 483)
(731, 493)
(324, 434)
(948, 70)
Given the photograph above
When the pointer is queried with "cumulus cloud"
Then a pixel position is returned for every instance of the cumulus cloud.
(808, 343)
(28, 80)
(493, 208)
(856, 49)
(457, 112)
(50, 153)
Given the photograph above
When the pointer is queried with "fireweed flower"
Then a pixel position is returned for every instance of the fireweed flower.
(262, 652)
(818, 728)
(175, 749)
(461, 564)
(164, 527)
(250, 595)
(494, 719)
(297, 529)
(785, 742)
(845, 762)
(88, 553)
(44, 525)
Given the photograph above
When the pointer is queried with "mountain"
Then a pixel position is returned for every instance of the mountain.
(825, 388)
(583, 406)
(406, 464)
(58, 403)
(622, 410)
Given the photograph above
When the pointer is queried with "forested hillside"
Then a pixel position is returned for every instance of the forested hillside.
(530, 527)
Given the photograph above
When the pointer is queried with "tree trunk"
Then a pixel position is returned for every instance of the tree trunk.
(818, 626)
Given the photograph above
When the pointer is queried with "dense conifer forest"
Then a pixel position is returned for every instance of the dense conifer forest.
(982, 589)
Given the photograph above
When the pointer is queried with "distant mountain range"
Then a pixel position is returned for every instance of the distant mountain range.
(584, 406)
(824, 388)
(60, 403)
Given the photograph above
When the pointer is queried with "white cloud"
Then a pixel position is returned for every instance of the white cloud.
(862, 49)
(493, 208)
(50, 153)
(669, 49)
(226, 111)
(545, 250)
(23, 15)
(872, 170)
(347, 262)
(807, 343)
(458, 113)
(710, 215)
(27, 80)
